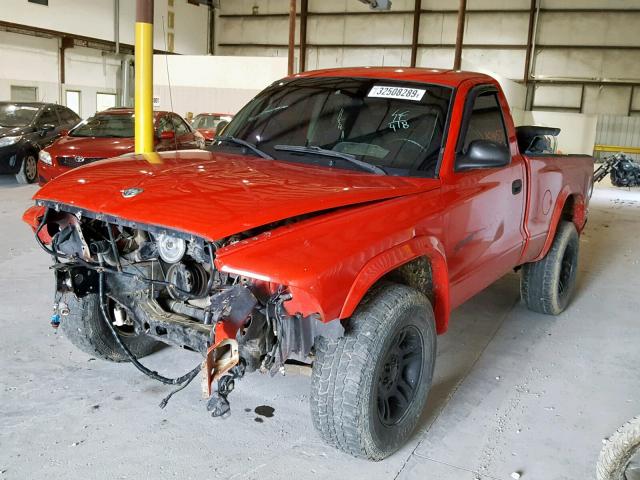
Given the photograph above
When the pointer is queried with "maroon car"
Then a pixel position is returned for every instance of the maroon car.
(110, 134)
(209, 124)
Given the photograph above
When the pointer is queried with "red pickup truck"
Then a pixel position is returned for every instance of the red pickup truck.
(338, 221)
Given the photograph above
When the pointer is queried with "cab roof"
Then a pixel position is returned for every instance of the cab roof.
(452, 78)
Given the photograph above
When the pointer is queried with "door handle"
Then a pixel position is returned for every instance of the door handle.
(516, 186)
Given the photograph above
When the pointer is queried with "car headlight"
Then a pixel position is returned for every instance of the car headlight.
(171, 249)
(6, 141)
(45, 157)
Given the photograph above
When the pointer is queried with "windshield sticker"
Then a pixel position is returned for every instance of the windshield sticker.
(399, 120)
(401, 93)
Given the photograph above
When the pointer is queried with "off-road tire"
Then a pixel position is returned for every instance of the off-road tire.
(546, 286)
(28, 172)
(618, 451)
(347, 373)
(85, 328)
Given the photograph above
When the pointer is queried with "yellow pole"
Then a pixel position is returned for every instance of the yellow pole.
(144, 76)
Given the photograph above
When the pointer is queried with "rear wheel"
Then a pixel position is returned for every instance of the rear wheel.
(86, 329)
(28, 170)
(546, 286)
(370, 386)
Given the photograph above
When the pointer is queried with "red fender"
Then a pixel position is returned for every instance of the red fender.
(391, 259)
(579, 218)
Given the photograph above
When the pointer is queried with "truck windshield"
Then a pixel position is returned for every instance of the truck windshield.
(396, 126)
(116, 125)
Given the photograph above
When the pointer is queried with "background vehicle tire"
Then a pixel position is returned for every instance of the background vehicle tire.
(85, 328)
(619, 451)
(369, 387)
(29, 169)
(546, 286)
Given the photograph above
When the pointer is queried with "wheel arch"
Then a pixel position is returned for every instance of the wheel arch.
(570, 207)
(419, 263)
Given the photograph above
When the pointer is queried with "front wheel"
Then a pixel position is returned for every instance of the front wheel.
(28, 172)
(620, 456)
(369, 387)
(85, 327)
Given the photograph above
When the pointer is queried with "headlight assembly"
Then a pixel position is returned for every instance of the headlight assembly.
(6, 141)
(171, 249)
(45, 157)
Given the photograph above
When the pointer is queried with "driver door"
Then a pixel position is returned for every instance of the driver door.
(485, 233)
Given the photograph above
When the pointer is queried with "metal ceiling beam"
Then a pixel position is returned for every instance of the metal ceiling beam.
(416, 31)
(457, 58)
(304, 10)
(292, 36)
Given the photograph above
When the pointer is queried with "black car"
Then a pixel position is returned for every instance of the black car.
(25, 128)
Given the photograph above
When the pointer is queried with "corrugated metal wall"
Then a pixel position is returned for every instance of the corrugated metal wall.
(618, 130)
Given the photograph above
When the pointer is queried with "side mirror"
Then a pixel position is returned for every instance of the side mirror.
(167, 135)
(483, 154)
(46, 128)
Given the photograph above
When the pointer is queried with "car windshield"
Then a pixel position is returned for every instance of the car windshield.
(17, 115)
(209, 121)
(397, 126)
(106, 125)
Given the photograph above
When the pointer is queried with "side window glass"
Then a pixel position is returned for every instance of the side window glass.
(181, 127)
(164, 124)
(486, 122)
(48, 116)
(67, 117)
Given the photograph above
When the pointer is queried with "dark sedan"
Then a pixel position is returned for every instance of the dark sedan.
(25, 128)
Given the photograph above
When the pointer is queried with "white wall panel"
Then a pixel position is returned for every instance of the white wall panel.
(490, 28)
(508, 63)
(588, 64)
(577, 131)
(437, 28)
(30, 62)
(270, 30)
(611, 100)
(559, 31)
(435, 57)
(589, 4)
(95, 18)
(326, 30)
(476, 4)
(223, 84)
(567, 96)
(378, 29)
(588, 29)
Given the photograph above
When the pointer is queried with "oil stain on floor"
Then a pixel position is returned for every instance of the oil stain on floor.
(263, 411)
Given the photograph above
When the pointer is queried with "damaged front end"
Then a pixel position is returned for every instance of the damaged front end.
(165, 284)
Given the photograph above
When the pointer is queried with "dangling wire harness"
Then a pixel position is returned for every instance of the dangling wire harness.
(184, 380)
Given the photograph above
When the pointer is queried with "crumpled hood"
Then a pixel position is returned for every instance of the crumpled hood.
(215, 195)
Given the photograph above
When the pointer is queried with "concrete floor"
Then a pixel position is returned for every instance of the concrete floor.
(513, 390)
